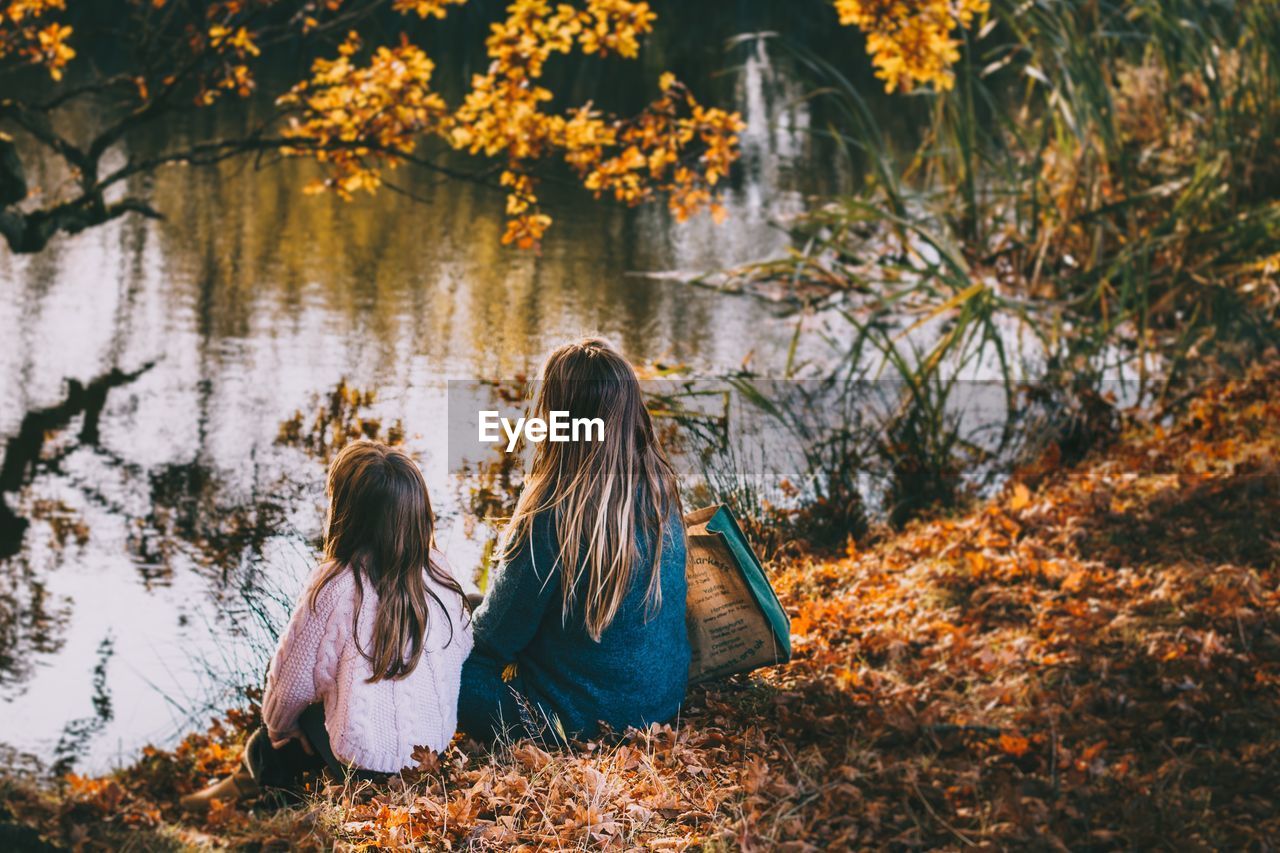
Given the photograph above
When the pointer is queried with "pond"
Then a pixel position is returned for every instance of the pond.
(167, 520)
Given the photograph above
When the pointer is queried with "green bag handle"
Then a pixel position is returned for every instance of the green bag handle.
(725, 524)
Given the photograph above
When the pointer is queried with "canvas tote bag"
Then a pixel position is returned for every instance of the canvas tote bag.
(735, 621)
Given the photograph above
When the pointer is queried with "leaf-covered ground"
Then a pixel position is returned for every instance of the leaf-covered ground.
(1091, 660)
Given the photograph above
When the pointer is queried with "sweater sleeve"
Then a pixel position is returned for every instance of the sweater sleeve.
(520, 591)
(300, 668)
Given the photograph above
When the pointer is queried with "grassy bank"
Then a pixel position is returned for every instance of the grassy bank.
(1092, 659)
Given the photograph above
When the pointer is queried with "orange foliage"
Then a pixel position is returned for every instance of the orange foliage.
(360, 116)
(912, 42)
(27, 32)
(360, 119)
(425, 8)
(369, 109)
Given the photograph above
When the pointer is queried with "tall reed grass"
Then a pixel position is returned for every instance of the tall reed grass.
(1096, 200)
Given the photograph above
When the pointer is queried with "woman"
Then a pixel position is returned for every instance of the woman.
(584, 620)
(369, 666)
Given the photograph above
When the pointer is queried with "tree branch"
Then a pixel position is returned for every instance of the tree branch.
(27, 233)
(30, 232)
(37, 125)
(211, 153)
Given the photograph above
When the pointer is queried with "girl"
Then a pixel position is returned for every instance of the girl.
(369, 666)
(584, 620)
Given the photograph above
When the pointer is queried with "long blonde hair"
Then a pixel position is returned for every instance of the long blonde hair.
(381, 528)
(602, 495)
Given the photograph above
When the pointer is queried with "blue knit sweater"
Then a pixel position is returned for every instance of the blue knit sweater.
(638, 671)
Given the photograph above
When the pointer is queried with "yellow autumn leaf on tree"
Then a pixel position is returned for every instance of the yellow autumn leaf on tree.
(912, 43)
(360, 118)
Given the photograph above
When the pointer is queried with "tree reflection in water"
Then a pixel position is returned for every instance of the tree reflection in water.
(186, 517)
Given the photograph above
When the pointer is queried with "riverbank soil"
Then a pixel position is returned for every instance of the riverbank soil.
(1091, 660)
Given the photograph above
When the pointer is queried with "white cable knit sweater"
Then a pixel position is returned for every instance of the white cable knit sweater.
(371, 726)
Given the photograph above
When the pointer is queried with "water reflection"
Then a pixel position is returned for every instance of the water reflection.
(168, 530)
(79, 733)
(31, 621)
(23, 450)
(779, 155)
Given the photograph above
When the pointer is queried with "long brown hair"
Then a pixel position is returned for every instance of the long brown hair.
(603, 495)
(382, 529)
